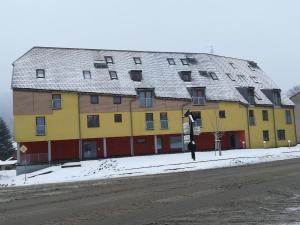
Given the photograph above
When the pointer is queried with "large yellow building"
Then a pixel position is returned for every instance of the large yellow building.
(90, 103)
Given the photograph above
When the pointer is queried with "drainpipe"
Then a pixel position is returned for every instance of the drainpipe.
(248, 125)
(131, 127)
(294, 121)
(182, 121)
(79, 128)
(274, 126)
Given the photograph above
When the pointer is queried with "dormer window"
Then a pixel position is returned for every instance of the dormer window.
(145, 97)
(87, 74)
(198, 96)
(136, 75)
(233, 65)
(171, 61)
(40, 73)
(113, 75)
(203, 73)
(186, 76)
(184, 61)
(273, 95)
(252, 65)
(137, 60)
(248, 93)
(109, 59)
(213, 75)
(191, 60)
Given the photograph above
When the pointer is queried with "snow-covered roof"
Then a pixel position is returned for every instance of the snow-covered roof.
(64, 71)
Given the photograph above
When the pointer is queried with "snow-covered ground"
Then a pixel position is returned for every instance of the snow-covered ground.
(145, 165)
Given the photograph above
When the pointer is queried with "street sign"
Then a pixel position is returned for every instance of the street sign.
(186, 139)
(23, 148)
(186, 128)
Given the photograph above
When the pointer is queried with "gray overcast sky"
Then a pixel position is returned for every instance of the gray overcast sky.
(266, 31)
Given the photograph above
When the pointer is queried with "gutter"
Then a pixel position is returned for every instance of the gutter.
(131, 127)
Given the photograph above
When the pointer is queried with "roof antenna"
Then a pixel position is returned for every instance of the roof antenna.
(211, 49)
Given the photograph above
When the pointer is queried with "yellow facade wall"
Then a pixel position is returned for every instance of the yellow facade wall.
(63, 124)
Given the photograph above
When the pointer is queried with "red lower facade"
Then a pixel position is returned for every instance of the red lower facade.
(69, 150)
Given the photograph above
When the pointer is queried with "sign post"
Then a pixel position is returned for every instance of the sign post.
(191, 144)
(24, 149)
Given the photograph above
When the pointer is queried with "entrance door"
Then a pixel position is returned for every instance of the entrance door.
(232, 141)
(89, 149)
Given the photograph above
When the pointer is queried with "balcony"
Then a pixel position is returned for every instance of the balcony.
(198, 100)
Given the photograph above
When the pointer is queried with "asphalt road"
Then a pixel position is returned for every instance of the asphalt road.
(266, 193)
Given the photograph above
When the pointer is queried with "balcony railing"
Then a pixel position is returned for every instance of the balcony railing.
(198, 100)
(146, 102)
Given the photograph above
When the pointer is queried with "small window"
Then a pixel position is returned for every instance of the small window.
(233, 65)
(171, 61)
(186, 76)
(137, 60)
(149, 121)
(118, 118)
(266, 135)
(56, 101)
(113, 75)
(163, 120)
(109, 59)
(251, 118)
(288, 117)
(265, 115)
(254, 79)
(40, 73)
(222, 114)
(94, 99)
(117, 99)
(93, 121)
(87, 74)
(230, 76)
(40, 126)
(175, 142)
(184, 61)
(213, 75)
(203, 73)
(281, 135)
(242, 78)
(136, 75)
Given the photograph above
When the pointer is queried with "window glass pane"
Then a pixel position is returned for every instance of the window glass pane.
(175, 142)
(158, 142)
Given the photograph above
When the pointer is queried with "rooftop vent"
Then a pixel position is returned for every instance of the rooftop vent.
(191, 60)
(253, 64)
